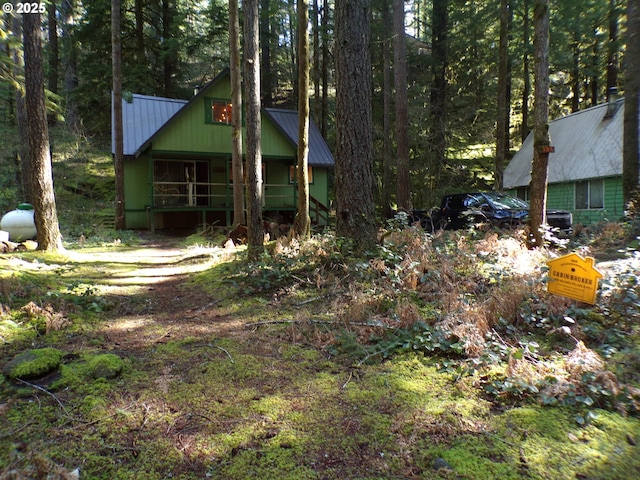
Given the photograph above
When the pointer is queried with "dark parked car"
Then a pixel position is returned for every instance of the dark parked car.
(462, 210)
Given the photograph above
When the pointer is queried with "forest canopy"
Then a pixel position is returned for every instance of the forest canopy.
(170, 47)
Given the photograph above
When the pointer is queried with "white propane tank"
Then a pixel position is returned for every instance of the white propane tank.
(20, 223)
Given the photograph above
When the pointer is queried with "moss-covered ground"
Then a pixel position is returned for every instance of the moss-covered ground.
(229, 371)
(433, 357)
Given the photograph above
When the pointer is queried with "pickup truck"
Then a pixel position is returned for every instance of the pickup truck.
(464, 210)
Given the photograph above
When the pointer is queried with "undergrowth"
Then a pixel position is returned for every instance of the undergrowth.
(477, 302)
(432, 356)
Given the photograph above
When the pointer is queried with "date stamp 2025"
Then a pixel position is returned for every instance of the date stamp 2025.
(24, 7)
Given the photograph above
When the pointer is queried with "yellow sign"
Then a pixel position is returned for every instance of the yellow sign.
(575, 277)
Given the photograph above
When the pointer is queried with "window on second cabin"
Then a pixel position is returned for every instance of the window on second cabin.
(589, 194)
(218, 111)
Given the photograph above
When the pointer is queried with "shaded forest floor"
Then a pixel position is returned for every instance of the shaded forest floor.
(437, 357)
(434, 356)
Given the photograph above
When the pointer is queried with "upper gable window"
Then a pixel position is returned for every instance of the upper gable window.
(218, 111)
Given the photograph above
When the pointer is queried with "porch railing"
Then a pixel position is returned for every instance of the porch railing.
(201, 194)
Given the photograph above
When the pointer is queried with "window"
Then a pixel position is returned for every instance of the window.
(523, 193)
(293, 170)
(589, 194)
(218, 111)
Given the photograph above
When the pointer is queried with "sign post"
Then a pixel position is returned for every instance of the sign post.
(574, 277)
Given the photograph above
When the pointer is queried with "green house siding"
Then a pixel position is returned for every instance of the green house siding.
(191, 158)
(279, 194)
(137, 180)
(563, 196)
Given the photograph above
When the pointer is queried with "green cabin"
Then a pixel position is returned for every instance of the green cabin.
(585, 169)
(177, 161)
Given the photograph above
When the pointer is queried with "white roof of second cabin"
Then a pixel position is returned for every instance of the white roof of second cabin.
(587, 145)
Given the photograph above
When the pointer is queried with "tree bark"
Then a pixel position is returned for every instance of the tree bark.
(355, 215)
(302, 222)
(54, 57)
(42, 195)
(236, 115)
(541, 124)
(402, 116)
(170, 60)
(387, 27)
(253, 127)
(631, 147)
(265, 37)
(315, 24)
(612, 54)
(526, 88)
(438, 87)
(72, 116)
(116, 46)
(325, 69)
(503, 107)
(21, 117)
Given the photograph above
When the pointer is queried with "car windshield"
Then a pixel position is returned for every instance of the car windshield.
(502, 201)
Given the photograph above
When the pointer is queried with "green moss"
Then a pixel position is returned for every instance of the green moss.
(105, 366)
(33, 363)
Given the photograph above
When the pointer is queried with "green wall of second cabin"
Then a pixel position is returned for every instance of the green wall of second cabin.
(562, 196)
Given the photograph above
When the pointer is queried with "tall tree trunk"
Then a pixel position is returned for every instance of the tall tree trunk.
(387, 27)
(70, 65)
(526, 89)
(355, 215)
(315, 24)
(438, 87)
(575, 76)
(402, 116)
(595, 59)
(612, 51)
(325, 68)
(503, 107)
(116, 48)
(265, 42)
(631, 148)
(24, 155)
(236, 115)
(253, 127)
(302, 222)
(293, 56)
(54, 57)
(140, 54)
(541, 123)
(42, 195)
(169, 61)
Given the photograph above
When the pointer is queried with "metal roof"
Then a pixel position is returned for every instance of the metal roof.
(143, 116)
(587, 145)
(287, 123)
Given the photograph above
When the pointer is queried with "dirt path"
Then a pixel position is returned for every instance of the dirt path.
(153, 301)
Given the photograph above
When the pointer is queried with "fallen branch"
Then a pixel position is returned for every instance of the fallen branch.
(38, 387)
(219, 348)
(194, 313)
(225, 351)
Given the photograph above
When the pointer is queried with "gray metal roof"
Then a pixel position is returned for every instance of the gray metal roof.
(143, 116)
(287, 122)
(587, 145)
